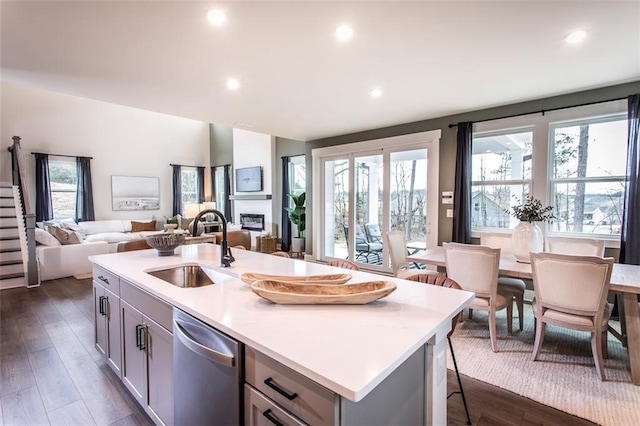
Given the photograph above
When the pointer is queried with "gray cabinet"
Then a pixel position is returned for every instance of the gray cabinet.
(107, 320)
(147, 365)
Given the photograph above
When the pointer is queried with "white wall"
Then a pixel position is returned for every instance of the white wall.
(254, 149)
(122, 141)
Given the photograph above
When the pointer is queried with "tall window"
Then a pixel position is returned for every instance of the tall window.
(588, 174)
(572, 159)
(64, 183)
(189, 178)
(218, 177)
(297, 174)
(501, 175)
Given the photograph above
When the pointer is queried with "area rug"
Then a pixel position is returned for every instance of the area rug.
(83, 276)
(563, 377)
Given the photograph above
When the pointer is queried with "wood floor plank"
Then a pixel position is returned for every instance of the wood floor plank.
(44, 307)
(15, 369)
(55, 386)
(24, 407)
(135, 419)
(100, 394)
(34, 336)
(85, 332)
(65, 341)
(74, 414)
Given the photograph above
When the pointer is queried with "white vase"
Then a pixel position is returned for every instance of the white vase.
(526, 238)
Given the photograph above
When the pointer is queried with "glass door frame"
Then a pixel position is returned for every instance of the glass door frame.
(385, 146)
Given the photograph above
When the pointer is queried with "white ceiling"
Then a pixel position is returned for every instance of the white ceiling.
(431, 58)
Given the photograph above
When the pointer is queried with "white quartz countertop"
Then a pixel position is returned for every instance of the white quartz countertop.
(349, 349)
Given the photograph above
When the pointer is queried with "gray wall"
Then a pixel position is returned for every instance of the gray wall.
(221, 141)
(448, 140)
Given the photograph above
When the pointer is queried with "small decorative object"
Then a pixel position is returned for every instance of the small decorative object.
(165, 244)
(297, 216)
(527, 236)
(170, 227)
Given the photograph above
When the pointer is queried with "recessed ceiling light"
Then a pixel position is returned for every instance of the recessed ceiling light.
(233, 84)
(576, 37)
(216, 17)
(376, 93)
(344, 32)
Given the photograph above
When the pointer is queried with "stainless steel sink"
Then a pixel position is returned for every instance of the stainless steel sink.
(188, 276)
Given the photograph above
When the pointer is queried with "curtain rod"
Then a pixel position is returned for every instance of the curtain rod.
(182, 165)
(61, 155)
(542, 111)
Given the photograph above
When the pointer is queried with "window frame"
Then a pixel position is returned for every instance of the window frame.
(183, 172)
(542, 152)
(65, 160)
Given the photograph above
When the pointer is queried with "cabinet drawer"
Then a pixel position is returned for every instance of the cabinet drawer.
(260, 411)
(312, 403)
(151, 306)
(107, 279)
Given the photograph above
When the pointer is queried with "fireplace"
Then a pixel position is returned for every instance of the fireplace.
(252, 222)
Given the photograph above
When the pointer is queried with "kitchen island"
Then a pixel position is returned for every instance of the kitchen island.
(348, 349)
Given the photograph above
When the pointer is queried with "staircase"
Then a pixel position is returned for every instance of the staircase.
(12, 239)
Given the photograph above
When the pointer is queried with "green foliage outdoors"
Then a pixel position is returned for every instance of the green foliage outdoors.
(297, 214)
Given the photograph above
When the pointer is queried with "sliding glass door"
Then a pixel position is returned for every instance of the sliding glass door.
(367, 193)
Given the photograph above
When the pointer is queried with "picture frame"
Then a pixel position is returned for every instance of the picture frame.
(135, 193)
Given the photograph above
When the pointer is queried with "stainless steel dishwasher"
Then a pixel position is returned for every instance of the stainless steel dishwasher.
(207, 368)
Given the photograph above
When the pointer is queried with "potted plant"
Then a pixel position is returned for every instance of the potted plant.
(297, 216)
(527, 236)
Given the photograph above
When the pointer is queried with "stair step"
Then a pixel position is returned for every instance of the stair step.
(10, 238)
(10, 245)
(8, 222)
(6, 191)
(6, 202)
(11, 262)
(13, 282)
(9, 233)
(10, 276)
(13, 270)
(7, 211)
(11, 256)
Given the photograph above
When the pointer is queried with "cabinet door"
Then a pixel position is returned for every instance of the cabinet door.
(160, 371)
(261, 411)
(114, 348)
(133, 360)
(99, 319)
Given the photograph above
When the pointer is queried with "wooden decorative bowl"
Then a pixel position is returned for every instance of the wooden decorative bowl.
(286, 293)
(251, 277)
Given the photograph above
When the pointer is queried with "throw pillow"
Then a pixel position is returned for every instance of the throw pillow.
(45, 239)
(143, 226)
(65, 236)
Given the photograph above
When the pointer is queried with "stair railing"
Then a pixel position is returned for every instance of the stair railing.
(29, 218)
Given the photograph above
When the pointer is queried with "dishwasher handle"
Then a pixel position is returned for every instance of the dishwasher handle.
(210, 354)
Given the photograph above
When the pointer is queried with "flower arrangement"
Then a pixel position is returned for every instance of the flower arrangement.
(531, 210)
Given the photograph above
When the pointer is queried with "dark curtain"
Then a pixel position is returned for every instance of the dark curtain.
(84, 191)
(286, 223)
(200, 194)
(462, 186)
(44, 207)
(227, 192)
(177, 189)
(213, 185)
(630, 232)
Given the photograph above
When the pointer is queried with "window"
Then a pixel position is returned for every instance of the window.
(64, 182)
(297, 174)
(501, 175)
(573, 159)
(219, 188)
(588, 174)
(190, 190)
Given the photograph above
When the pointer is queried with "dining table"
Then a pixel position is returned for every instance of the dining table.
(625, 281)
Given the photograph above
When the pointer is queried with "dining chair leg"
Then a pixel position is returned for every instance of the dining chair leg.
(596, 348)
(540, 326)
(470, 314)
(510, 318)
(461, 391)
(520, 304)
(492, 330)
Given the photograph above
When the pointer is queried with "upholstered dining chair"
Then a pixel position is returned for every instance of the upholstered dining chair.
(343, 263)
(571, 292)
(397, 244)
(475, 268)
(441, 280)
(514, 286)
(280, 254)
(575, 246)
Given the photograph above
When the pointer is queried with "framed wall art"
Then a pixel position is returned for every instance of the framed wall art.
(135, 193)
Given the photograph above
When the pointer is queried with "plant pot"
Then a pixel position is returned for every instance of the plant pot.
(297, 245)
(526, 238)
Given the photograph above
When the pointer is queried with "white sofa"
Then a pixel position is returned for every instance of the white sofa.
(98, 237)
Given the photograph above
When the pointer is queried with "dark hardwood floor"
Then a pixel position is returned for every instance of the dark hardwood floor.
(52, 374)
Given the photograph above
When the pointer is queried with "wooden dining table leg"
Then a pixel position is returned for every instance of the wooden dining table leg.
(632, 322)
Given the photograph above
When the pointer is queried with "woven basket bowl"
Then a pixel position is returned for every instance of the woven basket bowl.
(165, 244)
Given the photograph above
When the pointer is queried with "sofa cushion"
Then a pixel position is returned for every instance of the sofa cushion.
(46, 239)
(143, 226)
(100, 226)
(65, 236)
(110, 237)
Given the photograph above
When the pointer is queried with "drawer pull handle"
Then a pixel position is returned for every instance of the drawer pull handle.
(289, 396)
(101, 305)
(272, 419)
(103, 279)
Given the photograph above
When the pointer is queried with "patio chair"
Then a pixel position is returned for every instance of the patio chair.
(364, 248)
(374, 235)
